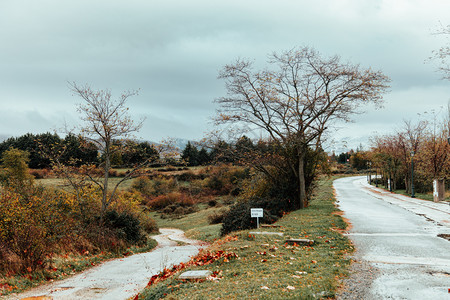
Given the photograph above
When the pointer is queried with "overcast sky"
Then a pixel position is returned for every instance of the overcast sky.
(172, 51)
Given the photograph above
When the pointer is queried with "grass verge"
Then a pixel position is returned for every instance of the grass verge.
(265, 267)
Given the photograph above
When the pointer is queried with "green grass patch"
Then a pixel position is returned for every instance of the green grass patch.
(207, 233)
(268, 268)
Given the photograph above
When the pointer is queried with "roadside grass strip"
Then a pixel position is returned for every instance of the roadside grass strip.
(262, 266)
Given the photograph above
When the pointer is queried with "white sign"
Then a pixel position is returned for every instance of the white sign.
(257, 212)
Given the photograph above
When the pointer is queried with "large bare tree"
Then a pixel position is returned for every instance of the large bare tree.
(297, 99)
(106, 119)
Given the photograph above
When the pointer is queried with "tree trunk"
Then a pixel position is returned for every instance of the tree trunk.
(301, 180)
(105, 185)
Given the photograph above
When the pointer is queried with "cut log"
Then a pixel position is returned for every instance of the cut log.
(270, 225)
(199, 274)
(266, 233)
(300, 242)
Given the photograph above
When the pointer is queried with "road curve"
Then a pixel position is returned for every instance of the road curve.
(121, 278)
(398, 236)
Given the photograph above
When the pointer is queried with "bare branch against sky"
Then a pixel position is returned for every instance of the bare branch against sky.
(172, 51)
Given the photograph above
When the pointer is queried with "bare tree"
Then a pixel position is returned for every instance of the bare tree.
(296, 101)
(413, 137)
(106, 120)
(434, 157)
(442, 55)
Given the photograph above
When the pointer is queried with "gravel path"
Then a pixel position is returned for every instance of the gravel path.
(358, 284)
(121, 278)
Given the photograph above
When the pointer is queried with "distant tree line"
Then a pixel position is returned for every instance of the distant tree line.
(220, 151)
(424, 146)
(356, 159)
(75, 150)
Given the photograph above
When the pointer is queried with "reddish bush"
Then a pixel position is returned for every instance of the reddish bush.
(39, 173)
(113, 173)
(162, 201)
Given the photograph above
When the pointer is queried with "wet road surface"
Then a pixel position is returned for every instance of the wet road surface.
(399, 237)
(121, 278)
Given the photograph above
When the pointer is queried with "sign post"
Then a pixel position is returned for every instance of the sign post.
(257, 213)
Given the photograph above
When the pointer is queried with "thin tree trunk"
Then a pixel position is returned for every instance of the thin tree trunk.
(105, 186)
(301, 180)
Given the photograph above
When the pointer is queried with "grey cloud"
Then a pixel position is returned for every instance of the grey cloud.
(172, 50)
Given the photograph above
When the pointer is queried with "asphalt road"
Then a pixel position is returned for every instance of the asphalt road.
(121, 278)
(398, 236)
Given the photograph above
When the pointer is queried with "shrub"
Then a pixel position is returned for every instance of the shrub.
(236, 191)
(217, 217)
(31, 225)
(214, 183)
(163, 186)
(174, 203)
(180, 211)
(113, 173)
(39, 173)
(196, 187)
(163, 201)
(148, 224)
(154, 187)
(189, 176)
(238, 217)
(126, 226)
(223, 179)
(143, 185)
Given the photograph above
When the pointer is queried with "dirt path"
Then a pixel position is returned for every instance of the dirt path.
(121, 278)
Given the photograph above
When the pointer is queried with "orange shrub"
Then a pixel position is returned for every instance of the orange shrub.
(164, 201)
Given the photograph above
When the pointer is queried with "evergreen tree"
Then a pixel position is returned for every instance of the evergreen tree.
(190, 155)
(203, 157)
